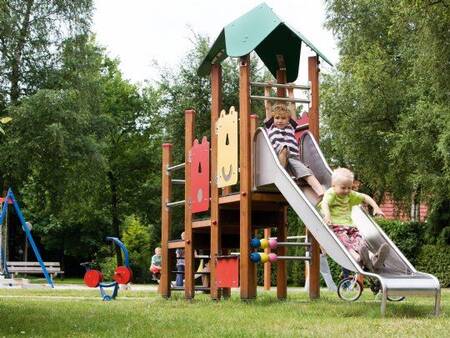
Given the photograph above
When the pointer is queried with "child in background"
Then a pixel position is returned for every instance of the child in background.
(337, 206)
(155, 266)
(180, 264)
(280, 124)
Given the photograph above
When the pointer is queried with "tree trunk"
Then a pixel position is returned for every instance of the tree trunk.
(18, 52)
(115, 214)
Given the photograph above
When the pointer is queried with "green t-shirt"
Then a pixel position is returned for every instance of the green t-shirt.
(341, 206)
(156, 260)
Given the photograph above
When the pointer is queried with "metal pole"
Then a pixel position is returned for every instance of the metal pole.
(174, 204)
(293, 244)
(280, 85)
(176, 167)
(293, 258)
(291, 237)
(275, 98)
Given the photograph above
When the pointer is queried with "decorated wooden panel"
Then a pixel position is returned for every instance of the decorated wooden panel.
(227, 272)
(200, 176)
(227, 148)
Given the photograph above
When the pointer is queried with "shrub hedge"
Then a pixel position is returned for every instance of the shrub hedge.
(408, 236)
(435, 259)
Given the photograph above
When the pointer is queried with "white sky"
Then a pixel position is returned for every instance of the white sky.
(139, 32)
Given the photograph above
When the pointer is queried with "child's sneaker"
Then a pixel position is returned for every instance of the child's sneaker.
(364, 253)
(380, 256)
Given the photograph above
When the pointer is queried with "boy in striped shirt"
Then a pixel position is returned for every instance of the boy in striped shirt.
(280, 124)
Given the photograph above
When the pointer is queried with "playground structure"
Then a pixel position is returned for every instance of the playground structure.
(7, 279)
(265, 189)
(122, 274)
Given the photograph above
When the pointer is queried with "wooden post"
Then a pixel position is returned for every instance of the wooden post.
(253, 127)
(166, 195)
(314, 263)
(247, 268)
(313, 77)
(216, 104)
(282, 224)
(282, 251)
(268, 265)
(189, 291)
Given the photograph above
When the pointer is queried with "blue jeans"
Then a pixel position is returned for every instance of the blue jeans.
(345, 273)
(180, 276)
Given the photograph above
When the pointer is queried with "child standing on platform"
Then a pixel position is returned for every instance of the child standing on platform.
(180, 264)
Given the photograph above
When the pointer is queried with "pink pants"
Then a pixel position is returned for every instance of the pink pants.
(349, 236)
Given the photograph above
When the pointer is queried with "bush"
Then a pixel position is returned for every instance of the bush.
(438, 231)
(408, 236)
(107, 266)
(136, 237)
(435, 259)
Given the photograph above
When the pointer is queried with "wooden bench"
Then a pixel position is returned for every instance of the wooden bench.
(53, 268)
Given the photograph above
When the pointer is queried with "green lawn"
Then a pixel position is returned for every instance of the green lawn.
(81, 313)
(56, 281)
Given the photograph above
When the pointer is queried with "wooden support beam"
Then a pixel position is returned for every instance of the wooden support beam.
(178, 244)
(314, 269)
(282, 225)
(313, 77)
(166, 195)
(189, 290)
(268, 265)
(256, 197)
(253, 127)
(282, 251)
(202, 223)
(314, 264)
(216, 106)
(247, 268)
(281, 76)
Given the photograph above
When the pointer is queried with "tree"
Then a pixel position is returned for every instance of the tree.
(85, 155)
(386, 108)
(29, 32)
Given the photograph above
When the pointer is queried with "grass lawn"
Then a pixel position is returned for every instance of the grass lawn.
(81, 313)
(56, 281)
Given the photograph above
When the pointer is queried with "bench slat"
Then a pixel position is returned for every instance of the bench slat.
(53, 268)
(14, 269)
(12, 263)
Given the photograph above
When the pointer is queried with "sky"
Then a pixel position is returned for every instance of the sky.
(142, 32)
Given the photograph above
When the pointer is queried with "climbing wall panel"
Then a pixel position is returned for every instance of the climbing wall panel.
(200, 176)
(227, 149)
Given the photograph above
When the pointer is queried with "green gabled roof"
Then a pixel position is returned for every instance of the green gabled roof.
(263, 31)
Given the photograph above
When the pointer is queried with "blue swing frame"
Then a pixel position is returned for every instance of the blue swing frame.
(10, 197)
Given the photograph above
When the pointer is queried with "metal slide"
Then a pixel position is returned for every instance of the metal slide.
(398, 277)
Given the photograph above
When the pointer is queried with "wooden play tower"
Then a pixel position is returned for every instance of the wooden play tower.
(219, 176)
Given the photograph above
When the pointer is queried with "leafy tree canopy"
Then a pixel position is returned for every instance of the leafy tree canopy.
(386, 108)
